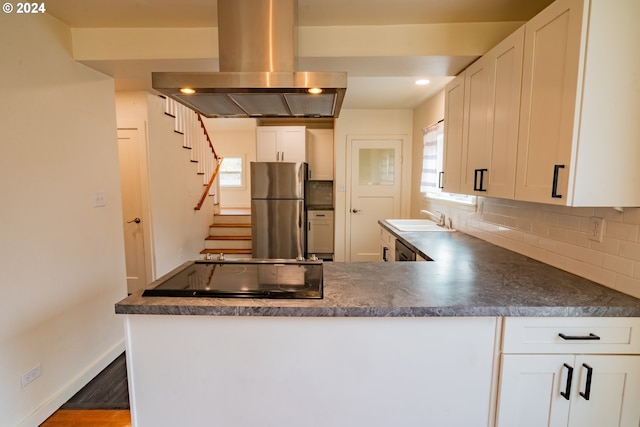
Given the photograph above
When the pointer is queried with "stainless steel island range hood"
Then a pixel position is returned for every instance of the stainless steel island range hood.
(257, 79)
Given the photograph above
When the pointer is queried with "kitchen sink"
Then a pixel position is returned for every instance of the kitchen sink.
(416, 225)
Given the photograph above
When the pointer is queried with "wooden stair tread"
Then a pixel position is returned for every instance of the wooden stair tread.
(226, 251)
(231, 225)
(228, 238)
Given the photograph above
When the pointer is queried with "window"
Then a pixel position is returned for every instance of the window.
(433, 166)
(432, 157)
(232, 172)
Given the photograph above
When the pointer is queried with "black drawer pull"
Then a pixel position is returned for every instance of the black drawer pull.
(587, 387)
(567, 389)
(590, 337)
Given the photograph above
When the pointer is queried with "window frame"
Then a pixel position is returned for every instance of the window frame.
(242, 172)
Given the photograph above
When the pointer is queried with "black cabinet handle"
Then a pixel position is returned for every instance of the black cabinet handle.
(477, 172)
(590, 337)
(384, 253)
(567, 389)
(554, 188)
(587, 387)
(440, 184)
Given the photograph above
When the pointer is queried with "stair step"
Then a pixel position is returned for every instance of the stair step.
(231, 219)
(228, 238)
(231, 224)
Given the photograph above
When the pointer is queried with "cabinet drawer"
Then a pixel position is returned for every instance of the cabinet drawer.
(320, 214)
(611, 335)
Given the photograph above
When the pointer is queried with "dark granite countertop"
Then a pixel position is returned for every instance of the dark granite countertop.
(468, 277)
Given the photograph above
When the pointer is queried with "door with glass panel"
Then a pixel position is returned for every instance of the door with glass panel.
(376, 177)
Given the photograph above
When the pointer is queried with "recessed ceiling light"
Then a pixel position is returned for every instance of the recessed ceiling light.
(187, 91)
(422, 82)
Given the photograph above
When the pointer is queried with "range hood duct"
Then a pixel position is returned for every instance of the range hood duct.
(257, 41)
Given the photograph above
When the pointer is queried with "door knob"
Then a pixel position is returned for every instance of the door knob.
(355, 210)
(136, 220)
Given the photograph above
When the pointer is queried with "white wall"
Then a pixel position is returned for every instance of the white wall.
(62, 260)
(367, 122)
(234, 138)
(174, 187)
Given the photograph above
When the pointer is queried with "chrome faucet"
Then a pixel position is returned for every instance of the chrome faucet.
(440, 219)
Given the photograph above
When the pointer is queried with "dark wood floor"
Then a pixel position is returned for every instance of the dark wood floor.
(108, 390)
(104, 402)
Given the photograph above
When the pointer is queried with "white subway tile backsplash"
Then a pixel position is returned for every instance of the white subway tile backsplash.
(621, 231)
(628, 285)
(608, 245)
(557, 235)
(629, 250)
(618, 265)
(631, 216)
(590, 256)
(570, 222)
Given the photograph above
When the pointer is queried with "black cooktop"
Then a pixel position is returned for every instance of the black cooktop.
(251, 278)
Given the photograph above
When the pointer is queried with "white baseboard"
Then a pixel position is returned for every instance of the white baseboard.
(59, 398)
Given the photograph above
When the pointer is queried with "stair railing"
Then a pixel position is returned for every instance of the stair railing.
(218, 160)
(195, 137)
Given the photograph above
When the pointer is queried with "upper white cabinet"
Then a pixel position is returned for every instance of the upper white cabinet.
(490, 123)
(281, 144)
(453, 129)
(551, 114)
(578, 140)
(320, 154)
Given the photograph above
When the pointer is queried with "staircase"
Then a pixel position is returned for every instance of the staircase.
(230, 234)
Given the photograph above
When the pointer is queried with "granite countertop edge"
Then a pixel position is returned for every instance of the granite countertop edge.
(469, 277)
(198, 310)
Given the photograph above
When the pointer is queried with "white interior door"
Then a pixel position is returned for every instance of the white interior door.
(128, 153)
(376, 177)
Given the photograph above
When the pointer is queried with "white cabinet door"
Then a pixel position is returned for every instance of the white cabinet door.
(604, 390)
(319, 232)
(320, 154)
(607, 391)
(475, 145)
(267, 147)
(549, 85)
(505, 79)
(530, 391)
(387, 246)
(491, 117)
(453, 130)
(293, 144)
(578, 137)
(281, 144)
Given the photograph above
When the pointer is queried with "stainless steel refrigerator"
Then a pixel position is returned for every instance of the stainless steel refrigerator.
(278, 220)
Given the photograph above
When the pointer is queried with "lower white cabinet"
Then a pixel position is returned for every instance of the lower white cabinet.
(387, 246)
(569, 390)
(320, 232)
(591, 377)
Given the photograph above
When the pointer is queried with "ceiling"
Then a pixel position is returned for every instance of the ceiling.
(374, 81)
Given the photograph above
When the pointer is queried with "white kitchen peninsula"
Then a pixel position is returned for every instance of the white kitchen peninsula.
(388, 344)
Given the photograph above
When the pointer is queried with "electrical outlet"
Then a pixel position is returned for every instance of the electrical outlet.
(596, 229)
(30, 375)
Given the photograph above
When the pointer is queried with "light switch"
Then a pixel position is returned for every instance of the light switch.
(99, 199)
